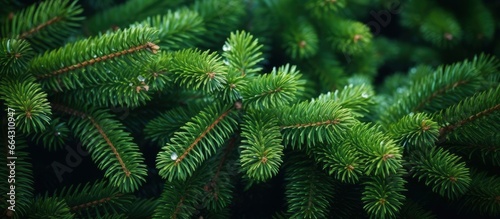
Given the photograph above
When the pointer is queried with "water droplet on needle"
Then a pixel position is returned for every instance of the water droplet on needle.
(226, 47)
(173, 156)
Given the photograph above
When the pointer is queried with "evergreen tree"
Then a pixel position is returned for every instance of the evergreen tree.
(250, 109)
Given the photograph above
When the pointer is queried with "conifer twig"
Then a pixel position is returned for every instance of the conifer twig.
(99, 128)
(191, 146)
(39, 27)
(149, 45)
(449, 128)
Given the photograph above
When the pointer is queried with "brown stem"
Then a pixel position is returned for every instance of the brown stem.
(178, 208)
(113, 148)
(39, 27)
(149, 45)
(449, 128)
(327, 122)
(279, 89)
(93, 203)
(99, 128)
(198, 139)
(438, 92)
(212, 183)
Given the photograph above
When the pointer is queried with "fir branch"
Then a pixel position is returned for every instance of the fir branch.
(219, 101)
(410, 209)
(447, 81)
(487, 66)
(39, 27)
(276, 89)
(443, 171)
(445, 87)
(341, 160)
(77, 65)
(47, 24)
(179, 198)
(26, 97)
(162, 128)
(478, 22)
(50, 207)
(198, 70)
(363, 64)
(415, 131)
(383, 196)
(157, 72)
(95, 199)
(441, 28)
(177, 30)
(142, 208)
(111, 145)
(357, 98)
(484, 149)
(261, 149)
(197, 140)
(243, 53)
(113, 17)
(130, 90)
(149, 45)
(221, 17)
(93, 203)
(54, 136)
(308, 191)
(438, 93)
(449, 128)
(225, 156)
(308, 124)
(380, 155)
(219, 188)
(14, 56)
(348, 36)
(322, 8)
(312, 124)
(460, 119)
(483, 196)
(329, 72)
(416, 12)
(231, 93)
(300, 41)
(104, 138)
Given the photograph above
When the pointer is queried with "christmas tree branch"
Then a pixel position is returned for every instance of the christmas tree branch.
(78, 65)
(275, 89)
(468, 115)
(198, 139)
(57, 19)
(313, 123)
(14, 56)
(128, 171)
